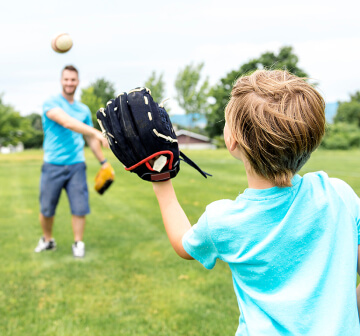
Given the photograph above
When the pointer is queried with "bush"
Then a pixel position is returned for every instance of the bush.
(219, 141)
(34, 140)
(341, 136)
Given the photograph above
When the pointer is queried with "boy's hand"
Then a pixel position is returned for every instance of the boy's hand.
(138, 129)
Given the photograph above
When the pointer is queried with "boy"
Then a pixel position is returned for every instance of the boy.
(291, 242)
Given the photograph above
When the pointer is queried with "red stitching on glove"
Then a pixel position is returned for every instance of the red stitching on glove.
(151, 157)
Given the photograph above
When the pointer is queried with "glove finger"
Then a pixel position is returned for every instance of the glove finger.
(129, 129)
(152, 122)
(116, 139)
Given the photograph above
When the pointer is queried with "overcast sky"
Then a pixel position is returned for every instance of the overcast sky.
(124, 41)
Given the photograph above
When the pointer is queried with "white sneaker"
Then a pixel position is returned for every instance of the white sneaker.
(78, 249)
(45, 246)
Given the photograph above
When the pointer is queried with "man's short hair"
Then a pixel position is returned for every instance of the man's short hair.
(70, 68)
(278, 120)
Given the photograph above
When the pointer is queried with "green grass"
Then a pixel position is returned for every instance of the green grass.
(131, 282)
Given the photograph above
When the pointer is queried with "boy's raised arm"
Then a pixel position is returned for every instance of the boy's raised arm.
(175, 220)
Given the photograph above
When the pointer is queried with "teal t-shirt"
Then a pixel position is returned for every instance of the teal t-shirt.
(292, 253)
(61, 145)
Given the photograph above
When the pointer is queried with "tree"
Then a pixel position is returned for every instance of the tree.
(93, 102)
(104, 90)
(33, 136)
(156, 85)
(96, 95)
(192, 95)
(344, 133)
(35, 121)
(10, 125)
(342, 136)
(349, 112)
(285, 60)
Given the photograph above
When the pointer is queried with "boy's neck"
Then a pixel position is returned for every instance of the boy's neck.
(258, 182)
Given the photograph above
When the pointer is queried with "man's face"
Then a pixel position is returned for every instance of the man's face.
(69, 81)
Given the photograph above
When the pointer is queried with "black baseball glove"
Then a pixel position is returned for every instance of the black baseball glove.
(141, 136)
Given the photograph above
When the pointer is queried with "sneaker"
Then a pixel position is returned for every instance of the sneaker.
(45, 246)
(78, 249)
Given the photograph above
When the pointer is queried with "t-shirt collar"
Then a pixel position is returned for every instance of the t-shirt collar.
(274, 191)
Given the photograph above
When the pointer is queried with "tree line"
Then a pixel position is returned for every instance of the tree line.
(197, 98)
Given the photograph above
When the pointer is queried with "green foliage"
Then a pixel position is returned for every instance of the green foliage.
(345, 132)
(219, 141)
(192, 95)
(348, 112)
(285, 60)
(355, 97)
(103, 89)
(156, 85)
(15, 129)
(11, 125)
(341, 136)
(33, 133)
(92, 102)
(96, 95)
(35, 121)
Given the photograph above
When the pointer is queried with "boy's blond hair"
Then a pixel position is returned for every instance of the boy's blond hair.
(278, 120)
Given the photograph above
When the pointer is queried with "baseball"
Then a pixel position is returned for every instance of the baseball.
(61, 43)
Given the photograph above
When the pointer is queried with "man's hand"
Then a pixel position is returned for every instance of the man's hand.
(98, 135)
(104, 178)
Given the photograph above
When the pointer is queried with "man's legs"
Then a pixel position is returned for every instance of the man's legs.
(51, 183)
(78, 225)
(78, 195)
(46, 242)
(46, 225)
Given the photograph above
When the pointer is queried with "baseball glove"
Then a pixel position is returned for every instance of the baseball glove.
(141, 136)
(104, 178)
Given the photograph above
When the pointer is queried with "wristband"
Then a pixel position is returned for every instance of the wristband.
(102, 162)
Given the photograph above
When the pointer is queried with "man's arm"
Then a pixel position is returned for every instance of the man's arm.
(358, 287)
(62, 118)
(95, 146)
(175, 220)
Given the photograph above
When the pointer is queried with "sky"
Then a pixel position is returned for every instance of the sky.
(125, 41)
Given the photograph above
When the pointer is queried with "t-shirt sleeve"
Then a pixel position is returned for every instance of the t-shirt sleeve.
(88, 120)
(50, 104)
(351, 199)
(357, 214)
(198, 243)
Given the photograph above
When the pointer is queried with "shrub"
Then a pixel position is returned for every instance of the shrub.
(341, 136)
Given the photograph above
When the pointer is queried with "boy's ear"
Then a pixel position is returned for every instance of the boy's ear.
(233, 144)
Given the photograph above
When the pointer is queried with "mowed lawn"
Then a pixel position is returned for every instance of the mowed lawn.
(131, 282)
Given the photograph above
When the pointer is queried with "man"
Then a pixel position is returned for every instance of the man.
(65, 122)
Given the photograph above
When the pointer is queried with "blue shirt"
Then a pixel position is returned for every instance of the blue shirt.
(292, 253)
(61, 145)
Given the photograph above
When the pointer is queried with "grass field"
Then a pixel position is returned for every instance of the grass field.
(131, 282)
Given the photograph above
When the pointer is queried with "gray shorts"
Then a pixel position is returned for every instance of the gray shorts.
(73, 179)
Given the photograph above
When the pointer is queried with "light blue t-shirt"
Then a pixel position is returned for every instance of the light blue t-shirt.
(61, 145)
(292, 253)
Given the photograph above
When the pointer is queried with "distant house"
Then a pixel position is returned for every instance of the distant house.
(12, 149)
(191, 140)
